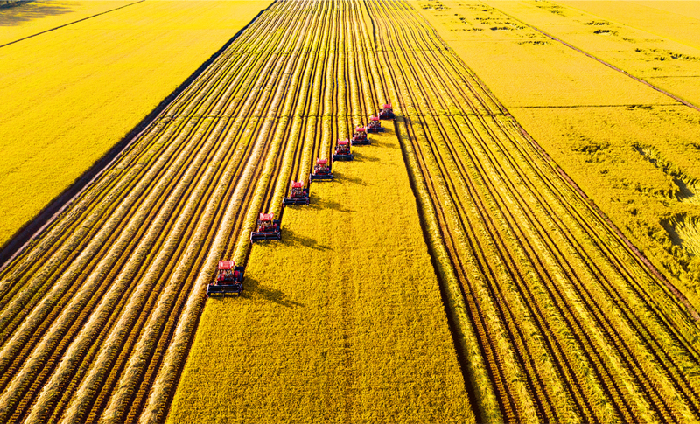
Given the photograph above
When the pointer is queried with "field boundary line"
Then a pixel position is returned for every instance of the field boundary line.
(594, 207)
(609, 65)
(48, 215)
(641, 257)
(69, 23)
(594, 106)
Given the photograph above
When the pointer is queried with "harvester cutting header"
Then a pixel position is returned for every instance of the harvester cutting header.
(228, 280)
(322, 171)
(298, 195)
(360, 136)
(342, 151)
(267, 228)
(387, 112)
(374, 124)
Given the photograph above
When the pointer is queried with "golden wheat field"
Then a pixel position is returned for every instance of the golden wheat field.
(71, 94)
(344, 320)
(518, 243)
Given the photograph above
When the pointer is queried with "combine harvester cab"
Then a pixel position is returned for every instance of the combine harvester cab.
(266, 228)
(322, 171)
(228, 280)
(360, 136)
(374, 124)
(298, 195)
(387, 112)
(342, 151)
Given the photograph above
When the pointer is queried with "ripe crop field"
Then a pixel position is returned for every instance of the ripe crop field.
(340, 321)
(563, 70)
(553, 315)
(570, 320)
(20, 20)
(70, 95)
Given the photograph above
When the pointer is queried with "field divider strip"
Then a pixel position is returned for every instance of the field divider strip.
(608, 64)
(69, 23)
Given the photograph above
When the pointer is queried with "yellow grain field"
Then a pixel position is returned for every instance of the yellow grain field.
(660, 47)
(675, 20)
(27, 19)
(70, 94)
(632, 149)
(522, 67)
(342, 321)
(645, 180)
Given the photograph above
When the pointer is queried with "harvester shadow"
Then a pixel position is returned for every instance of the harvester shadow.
(359, 157)
(339, 177)
(255, 290)
(328, 204)
(20, 12)
(290, 238)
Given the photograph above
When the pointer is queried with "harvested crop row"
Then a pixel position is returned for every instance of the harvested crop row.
(116, 281)
(532, 256)
(341, 320)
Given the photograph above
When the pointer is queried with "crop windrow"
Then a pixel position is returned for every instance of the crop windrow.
(554, 316)
(517, 210)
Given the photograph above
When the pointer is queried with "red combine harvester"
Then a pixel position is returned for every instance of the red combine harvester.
(267, 228)
(298, 195)
(374, 124)
(322, 171)
(342, 151)
(229, 279)
(387, 112)
(360, 136)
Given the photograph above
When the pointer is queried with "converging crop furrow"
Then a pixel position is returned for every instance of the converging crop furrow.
(99, 308)
(554, 316)
(572, 325)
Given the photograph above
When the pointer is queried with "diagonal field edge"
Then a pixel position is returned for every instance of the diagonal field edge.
(594, 207)
(69, 23)
(47, 216)
(609, 65)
